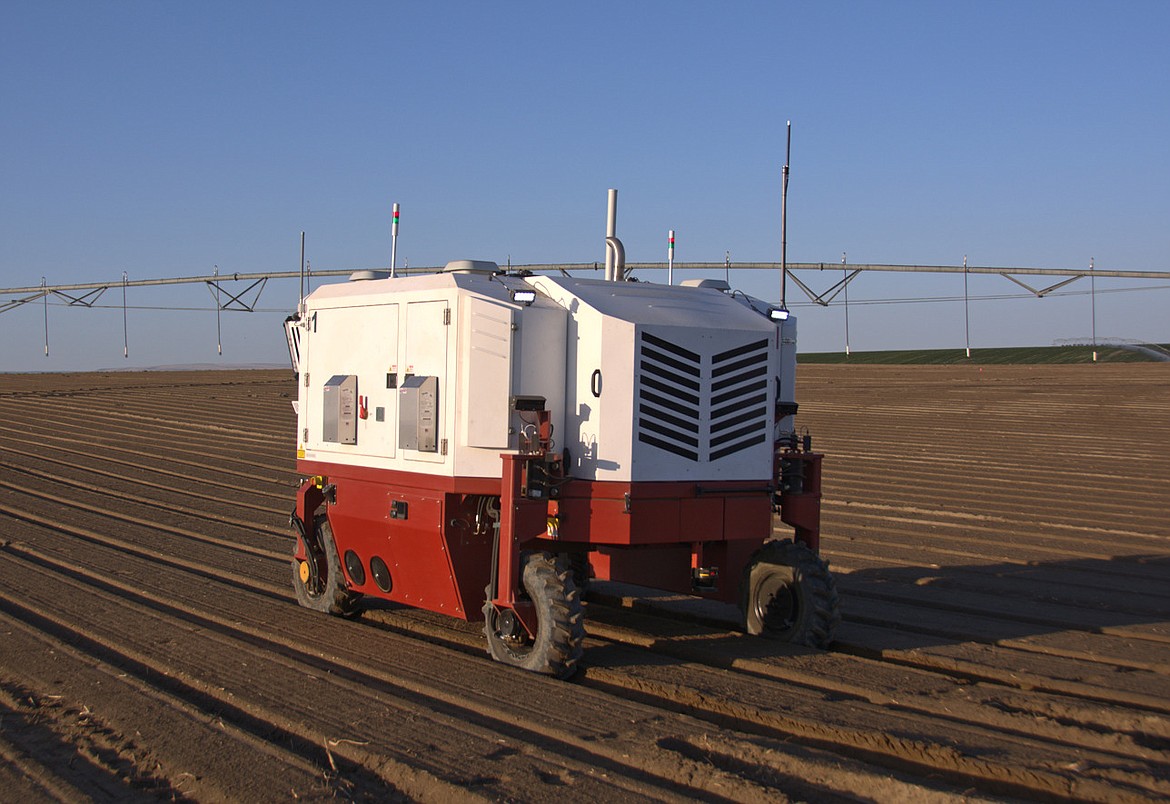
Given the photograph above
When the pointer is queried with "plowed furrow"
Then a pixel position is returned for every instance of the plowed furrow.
(150, 466)
(67, 437)
(401, 715)
(128, 481)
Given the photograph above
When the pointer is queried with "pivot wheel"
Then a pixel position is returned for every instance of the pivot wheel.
(788, 594)
(319, 583)
(556, 648)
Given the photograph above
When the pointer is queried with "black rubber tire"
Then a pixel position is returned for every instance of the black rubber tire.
(330, 595)
(582, 571)
(560, 634)
(788, 594)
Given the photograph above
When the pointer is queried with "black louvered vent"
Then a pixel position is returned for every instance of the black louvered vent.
(674, 381)
(668, 397)
(739, 395)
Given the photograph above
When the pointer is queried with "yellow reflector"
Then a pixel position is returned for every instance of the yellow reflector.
(304, 571)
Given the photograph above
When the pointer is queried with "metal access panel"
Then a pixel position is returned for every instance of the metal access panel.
(340, 409)
(418, 414)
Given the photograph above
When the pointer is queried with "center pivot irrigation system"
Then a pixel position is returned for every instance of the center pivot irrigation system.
(240, 291)
(482, 442)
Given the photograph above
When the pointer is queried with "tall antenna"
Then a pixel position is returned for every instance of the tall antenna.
(302, 301)
(784, 224)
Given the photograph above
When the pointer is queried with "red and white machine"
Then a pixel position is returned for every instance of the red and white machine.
(480, 444)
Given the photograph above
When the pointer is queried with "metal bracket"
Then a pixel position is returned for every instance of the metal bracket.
(13, 303)
(823, 299)
(1040, 294)
(84, 300)
(235, 301)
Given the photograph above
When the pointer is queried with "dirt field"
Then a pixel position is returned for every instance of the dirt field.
(1000, 536)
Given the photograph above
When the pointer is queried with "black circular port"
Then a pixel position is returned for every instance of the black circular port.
(353, 565)
(381, 574)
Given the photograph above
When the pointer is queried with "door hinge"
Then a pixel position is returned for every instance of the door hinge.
(446, 316)
(442, 446)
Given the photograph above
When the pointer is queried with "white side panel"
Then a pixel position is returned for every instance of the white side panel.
(485, 371)
(538, 367)
(787, 373)
(600, 393)
(362, 341)
(425, 354)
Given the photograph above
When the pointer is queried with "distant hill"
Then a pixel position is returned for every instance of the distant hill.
(1111, 353)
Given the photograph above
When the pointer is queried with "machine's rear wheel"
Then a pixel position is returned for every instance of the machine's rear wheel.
(582, 570)
(789, 594)
(556, 649)
(326, 592)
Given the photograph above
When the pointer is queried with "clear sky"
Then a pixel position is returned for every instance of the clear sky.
(164, 138)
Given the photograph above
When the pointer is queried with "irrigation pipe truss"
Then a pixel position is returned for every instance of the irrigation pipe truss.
(225, 298)
(94, 289)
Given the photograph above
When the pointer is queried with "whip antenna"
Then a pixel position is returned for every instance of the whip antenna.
(301, 303)
(784, 224)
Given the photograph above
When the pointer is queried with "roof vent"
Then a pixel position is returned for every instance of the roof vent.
(713, 284)
(470, 267)
(362, 276)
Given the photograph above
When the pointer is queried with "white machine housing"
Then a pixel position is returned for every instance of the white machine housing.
(643, 382)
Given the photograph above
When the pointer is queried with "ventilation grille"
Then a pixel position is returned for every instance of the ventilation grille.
(668, 397)
(701, 411)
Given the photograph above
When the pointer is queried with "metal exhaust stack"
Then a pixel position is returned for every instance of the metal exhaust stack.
(615, 252)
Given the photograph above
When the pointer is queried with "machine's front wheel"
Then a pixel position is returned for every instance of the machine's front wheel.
(327, 591)
(557, 646)
(789, 594)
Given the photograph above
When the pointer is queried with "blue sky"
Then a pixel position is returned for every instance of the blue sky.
(162, 139)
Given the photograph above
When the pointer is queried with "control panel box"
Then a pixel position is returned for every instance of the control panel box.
(418, 414)
(340, 410)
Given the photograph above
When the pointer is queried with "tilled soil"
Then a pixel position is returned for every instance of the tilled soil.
(1000, 539)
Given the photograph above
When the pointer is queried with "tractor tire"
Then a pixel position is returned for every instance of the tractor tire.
(329, 594)
(557, 648)
(582, 571)
(788, 594)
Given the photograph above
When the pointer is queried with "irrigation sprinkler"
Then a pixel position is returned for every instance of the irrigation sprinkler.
(1093, 307)
(845, 289)
(125, 328)
(45, 298)
(218, 307)
(966, 308)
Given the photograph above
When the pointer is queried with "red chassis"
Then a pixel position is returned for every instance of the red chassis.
(436, 536)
